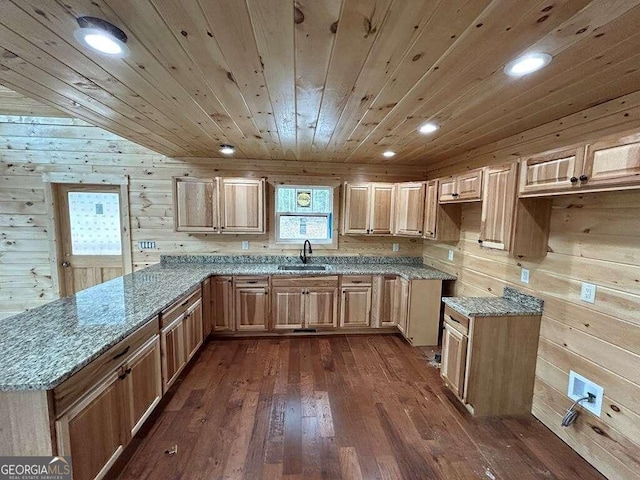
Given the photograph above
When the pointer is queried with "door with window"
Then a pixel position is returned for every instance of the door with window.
(89, 235)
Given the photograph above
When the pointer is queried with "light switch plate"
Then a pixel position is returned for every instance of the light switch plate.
(451, 255)
(396, 247)
(245, 244)
(588, 293)
(524, 275)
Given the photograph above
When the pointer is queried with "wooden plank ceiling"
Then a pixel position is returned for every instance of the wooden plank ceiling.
(322, 80)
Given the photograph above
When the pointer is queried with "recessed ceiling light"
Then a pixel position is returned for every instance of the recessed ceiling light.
(428, 127)
(526, 64)
(227, 149)
(389, 154)
(101, 36)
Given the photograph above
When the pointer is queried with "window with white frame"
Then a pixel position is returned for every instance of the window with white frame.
(304, 213)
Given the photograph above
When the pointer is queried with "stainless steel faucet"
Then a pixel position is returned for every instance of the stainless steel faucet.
(303, 254)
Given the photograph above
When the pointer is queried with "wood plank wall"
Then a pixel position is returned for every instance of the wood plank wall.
(594, 238)
(31, 146)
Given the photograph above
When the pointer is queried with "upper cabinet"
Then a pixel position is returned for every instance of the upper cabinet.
(219, 205)
(466, 187)
(368, 208)
(196, 204)
(410, 209)
(441, 222)
(610, 164)
(430, 209)
(242, 205)
(498, 206)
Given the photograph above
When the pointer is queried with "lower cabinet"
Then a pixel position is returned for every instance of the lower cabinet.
(489, 362)
(95, 429)
(251, 303)
(207, 307)
(193, 329)
(418, 310)
(174, 355)
(304, 302)
(222, 304)
(384, 300)
(355, 302)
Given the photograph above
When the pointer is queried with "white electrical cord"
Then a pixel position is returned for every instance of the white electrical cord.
(572, 414)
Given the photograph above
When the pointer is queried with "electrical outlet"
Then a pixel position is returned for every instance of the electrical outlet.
(451, 255)
(395, 247)
(524, 275)
(588, 293)
(580, 387)
(146, 244)
(245, 244)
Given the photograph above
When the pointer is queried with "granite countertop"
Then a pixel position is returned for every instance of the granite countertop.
(512, 303)
(43, 347)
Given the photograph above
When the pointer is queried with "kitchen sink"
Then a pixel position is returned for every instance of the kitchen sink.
(317, 268)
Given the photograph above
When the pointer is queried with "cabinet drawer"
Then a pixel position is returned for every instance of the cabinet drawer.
(306, 281)
(169, 314)
(252, 281)
(69, 391)
(356, 280)
(456, 320)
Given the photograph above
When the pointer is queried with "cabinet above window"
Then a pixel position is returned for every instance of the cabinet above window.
(219, 205)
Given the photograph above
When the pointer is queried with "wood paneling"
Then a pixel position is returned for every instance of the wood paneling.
(593, 238)
(337, 80)
(31, 146)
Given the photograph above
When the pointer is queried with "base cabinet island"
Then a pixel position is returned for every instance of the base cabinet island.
(99, 362)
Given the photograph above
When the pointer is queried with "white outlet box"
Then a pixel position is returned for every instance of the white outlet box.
(395, 247)
(588, 293)
(245, 244)
(580, 387)
(451, 255)
(524, 275)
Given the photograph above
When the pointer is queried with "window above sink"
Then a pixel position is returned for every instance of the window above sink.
(304, 213)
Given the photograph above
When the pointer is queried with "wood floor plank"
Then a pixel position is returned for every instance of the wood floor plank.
(338, 407)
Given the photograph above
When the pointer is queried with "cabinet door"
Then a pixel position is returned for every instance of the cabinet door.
(252, 308)
(93, 431)
(321, 307)
(287, 307)
(498, 206)
(382, 208)
(612, 163)
(174, 356)
(454, 358)
(355, 307)
(222, 300)
(430, 209)
(207, 307)
(143, 384)
(469, 186)
(551, 172)
(410, 209)
(195, 204)
(242, 205)
(388, 308)
(447, 190)
(193, 329)
(357, 208)
(402, 305)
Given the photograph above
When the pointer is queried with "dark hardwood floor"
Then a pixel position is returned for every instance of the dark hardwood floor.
(334, 407)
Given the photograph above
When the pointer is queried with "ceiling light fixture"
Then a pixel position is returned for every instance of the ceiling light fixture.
(101, 36)
(389, 154)
(227, 149)
(527, 64)
(428, 128)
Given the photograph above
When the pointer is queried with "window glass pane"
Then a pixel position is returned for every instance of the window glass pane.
(94, 221)
(322, 201)
(300, 227)
(304, 199)
(286, 199)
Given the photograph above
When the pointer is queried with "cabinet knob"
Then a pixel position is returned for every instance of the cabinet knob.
(479, 241)
(430, 233)
(573, 179)
(583, 178)
(455, 194)
(420, 231)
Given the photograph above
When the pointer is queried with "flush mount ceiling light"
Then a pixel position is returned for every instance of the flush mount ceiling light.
(428, 128)
(389, 154)
(227, 149)
(101, 36)
(527, 64)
